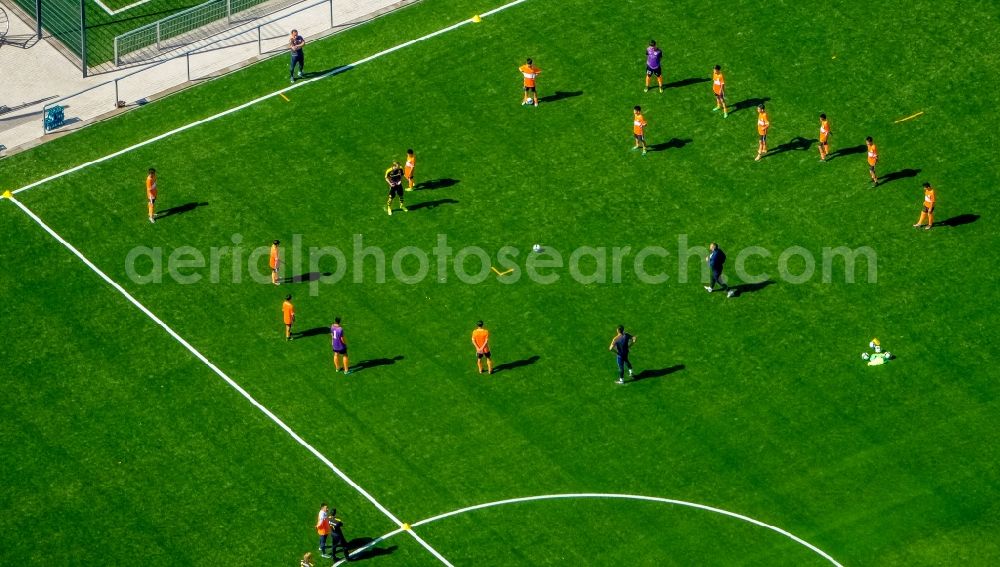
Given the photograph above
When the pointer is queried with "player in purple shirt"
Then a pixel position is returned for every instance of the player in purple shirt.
(339, 344)
(653, 56)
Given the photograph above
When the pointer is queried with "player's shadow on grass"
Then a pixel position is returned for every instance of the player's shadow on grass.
(309, 277)
(846, 152)
(374, 363)
(432, 204)
(559, 95)
(748, 103)
(658, 373)
(515, 364)
(750, 287)
(797, 143)
(312, 332)
(442, 183)
(179, 210)
(686, 82)
(314, 74)
(901, 174)
(672, 143)
(958, 221)
(360, 552)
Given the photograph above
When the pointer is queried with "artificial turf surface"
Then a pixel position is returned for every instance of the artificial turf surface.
(757, 404)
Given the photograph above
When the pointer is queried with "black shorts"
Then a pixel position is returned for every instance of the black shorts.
(529, 89)
(396, 191)
(342, 351)
(650, 71)
(764, 138)
(639, 138)
(929, 210)
(871, 168)
(484, 355)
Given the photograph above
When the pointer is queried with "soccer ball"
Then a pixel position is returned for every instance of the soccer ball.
(529, 101)
(864, 356)
(537, 247)
(888, 355)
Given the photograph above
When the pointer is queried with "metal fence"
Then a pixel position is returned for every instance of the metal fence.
(188, 26)
(212, 58)
(65, 20)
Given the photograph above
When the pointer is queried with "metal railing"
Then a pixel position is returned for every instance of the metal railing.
(154, 37)
(262, 41)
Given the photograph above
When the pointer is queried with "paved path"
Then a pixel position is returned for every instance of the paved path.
(34, 73)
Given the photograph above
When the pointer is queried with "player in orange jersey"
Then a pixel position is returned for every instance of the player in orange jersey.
(762, 126)
(274, 261)
(824, 137)
(872, 160)
(151, 194)
(411, 162)
(530, 73)
(928, 211)
(481, 340)
(719, 88)
(288, 315)
(639, 129)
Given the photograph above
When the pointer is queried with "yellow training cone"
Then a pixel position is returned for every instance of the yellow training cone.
(8, 195)
(476, 19)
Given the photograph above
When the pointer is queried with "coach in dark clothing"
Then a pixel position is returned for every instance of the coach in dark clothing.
(295, 47)
(716, 260)
(620, 345)
(339, 539)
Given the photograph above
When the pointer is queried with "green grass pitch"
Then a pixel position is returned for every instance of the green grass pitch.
(120, 446)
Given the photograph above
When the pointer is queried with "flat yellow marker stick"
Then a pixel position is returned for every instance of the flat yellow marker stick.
(282, 95)
(499, 273)
(911, 117)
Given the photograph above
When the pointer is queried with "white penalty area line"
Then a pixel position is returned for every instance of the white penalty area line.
(228, 380)
(260, 99)
(111, 12)
(594, 495)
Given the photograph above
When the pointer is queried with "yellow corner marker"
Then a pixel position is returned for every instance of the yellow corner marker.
(282, 95)
(7, 194)
(910, 117)
(406, 527)
(476, 19)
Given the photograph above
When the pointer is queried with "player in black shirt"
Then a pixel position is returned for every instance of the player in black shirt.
(394, 177)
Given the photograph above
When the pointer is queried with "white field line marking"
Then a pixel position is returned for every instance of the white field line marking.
(789, 535)
(331, 73)
(111, 12)
(228, 380)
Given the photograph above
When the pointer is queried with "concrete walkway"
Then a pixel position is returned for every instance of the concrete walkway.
(34, 73)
